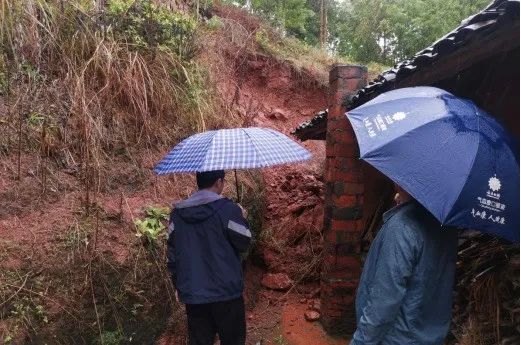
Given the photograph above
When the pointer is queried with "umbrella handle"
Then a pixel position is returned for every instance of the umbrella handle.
(237, 187)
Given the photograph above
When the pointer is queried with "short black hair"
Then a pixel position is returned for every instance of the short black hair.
(206, 179)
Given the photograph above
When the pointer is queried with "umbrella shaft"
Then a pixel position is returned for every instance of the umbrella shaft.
(237, 186)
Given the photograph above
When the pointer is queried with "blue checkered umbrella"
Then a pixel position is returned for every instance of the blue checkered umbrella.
(238, 148)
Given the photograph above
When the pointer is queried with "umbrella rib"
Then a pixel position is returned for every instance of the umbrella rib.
(208, 149)
(256, 148)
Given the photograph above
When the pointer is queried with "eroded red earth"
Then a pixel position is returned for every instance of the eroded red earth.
(265, 92)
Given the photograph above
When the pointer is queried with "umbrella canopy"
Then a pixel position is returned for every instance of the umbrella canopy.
(238, 148)
(447, 153)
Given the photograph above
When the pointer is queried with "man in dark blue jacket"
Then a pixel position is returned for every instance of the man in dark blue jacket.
(207, 233)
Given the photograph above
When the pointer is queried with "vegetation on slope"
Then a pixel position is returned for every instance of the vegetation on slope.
(124, 76)
(89, 99)
(383, 31)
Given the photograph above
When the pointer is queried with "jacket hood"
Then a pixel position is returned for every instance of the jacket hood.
(198, 207)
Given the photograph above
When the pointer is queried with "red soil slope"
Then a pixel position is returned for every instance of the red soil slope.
(265, 92)
(293, 192)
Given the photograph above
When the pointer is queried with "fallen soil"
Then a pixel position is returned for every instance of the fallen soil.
(292, 239)
(291, 234)
(299, 331)
(294, 193)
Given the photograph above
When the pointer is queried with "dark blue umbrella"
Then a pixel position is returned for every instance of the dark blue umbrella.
(447, 153)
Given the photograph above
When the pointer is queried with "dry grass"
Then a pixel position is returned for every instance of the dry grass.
(487, 293)
(92, 85)
(472, 333)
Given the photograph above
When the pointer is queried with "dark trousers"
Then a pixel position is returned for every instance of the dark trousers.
(227, 319)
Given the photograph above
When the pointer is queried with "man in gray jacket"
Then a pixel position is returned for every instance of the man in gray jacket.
(405, 292)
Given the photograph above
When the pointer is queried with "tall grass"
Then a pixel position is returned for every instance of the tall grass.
(82, 88)
(115, 78)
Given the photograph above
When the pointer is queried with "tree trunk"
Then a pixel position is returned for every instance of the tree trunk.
(384, 50)
(323, 24)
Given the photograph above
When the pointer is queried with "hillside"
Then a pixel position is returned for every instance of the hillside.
(90, 101)
(94, 93)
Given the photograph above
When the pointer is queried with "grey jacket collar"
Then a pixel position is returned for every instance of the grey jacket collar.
(200, 197)
(391, 212)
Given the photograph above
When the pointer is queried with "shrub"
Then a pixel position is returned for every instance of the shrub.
(112, 338)
(145, 25)
(152, 226)
(215, 23)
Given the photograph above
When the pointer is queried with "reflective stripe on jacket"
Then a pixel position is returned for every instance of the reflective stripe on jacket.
(207, 233)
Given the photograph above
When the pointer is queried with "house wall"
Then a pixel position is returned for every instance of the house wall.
(343, 220)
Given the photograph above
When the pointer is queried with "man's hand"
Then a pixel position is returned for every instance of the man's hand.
(176, 296)
(244, 211)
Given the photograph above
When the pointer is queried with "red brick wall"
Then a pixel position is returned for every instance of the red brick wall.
(343, 222)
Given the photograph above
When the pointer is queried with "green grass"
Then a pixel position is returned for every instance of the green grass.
(304, 57)
(153, 225)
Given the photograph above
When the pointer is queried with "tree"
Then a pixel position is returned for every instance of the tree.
(362, 30)
(291, 15)
(383, 31)
(386, 31)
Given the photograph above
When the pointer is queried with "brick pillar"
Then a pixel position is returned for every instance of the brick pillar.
(343, 206)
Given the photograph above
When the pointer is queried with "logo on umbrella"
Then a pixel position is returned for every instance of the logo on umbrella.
(399, 116)
(494, 184)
